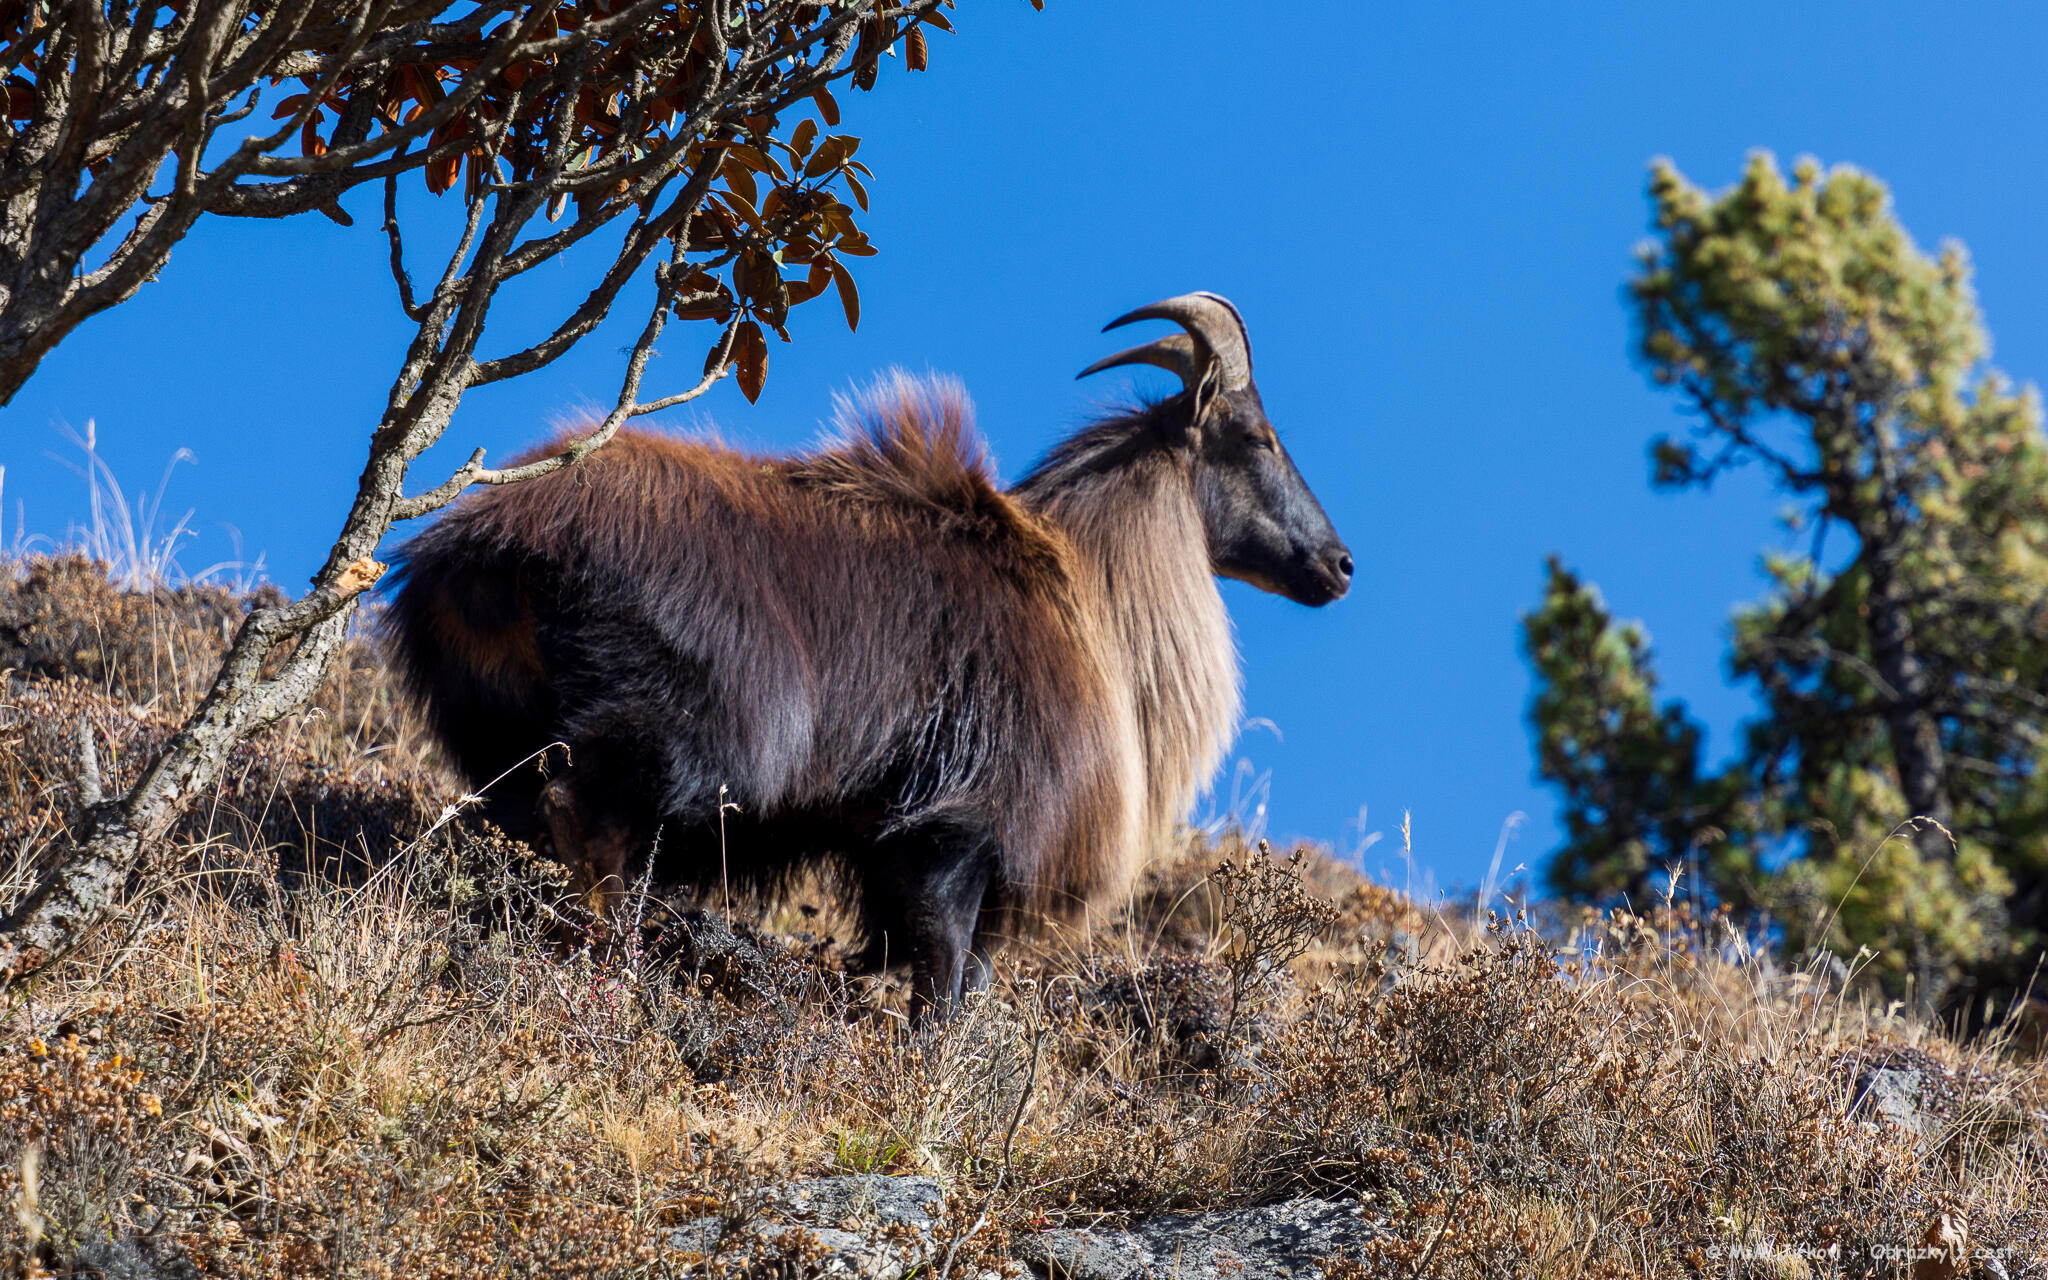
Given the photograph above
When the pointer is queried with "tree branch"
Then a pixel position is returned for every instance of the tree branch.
(405, 303)
(474, 471)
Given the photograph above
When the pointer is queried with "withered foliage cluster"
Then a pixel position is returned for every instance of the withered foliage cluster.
(89, 665)
(159, 114)
(419, 1060)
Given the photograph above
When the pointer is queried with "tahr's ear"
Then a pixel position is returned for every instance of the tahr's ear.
(1202, 396)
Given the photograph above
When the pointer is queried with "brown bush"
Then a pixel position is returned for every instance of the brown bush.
(157, 651)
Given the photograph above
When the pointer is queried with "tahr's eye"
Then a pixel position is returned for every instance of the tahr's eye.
(1261, 440)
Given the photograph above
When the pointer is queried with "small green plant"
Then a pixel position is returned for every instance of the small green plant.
(867, 1151)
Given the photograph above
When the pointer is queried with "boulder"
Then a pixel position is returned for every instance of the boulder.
(1272, 1241)
(1893, 1093)
(861, 1226)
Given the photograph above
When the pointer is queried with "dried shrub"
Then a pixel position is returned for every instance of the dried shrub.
(61, 617)
(1270, 920)
(433, 1064)
(156, 651)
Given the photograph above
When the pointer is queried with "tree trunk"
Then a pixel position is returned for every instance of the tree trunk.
(1910, 722)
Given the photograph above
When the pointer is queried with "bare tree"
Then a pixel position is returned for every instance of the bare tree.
(658, 123)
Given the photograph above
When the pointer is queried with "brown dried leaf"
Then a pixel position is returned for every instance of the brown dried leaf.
(441, 173)
(849, 297)
(716, 356)
(711, 229)
(766, 291)
(836, 151)
(746, 272)
(867, 54)
(742, 206)
(1944, 1249)
(740, 179)
(756, 160)
(750, 354)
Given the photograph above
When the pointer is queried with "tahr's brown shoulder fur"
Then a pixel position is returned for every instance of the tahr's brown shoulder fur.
(906, 449)
(907, 442)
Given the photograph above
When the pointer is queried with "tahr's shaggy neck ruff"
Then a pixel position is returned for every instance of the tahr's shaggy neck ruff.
(1124, 494)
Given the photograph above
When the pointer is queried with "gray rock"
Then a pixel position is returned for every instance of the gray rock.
(876, 1227)
(862, 1226)
(1275, 1241)
(143, 1258)
(843, 1253)
(825, 1251)
(884, 1199)
(1893, 1093)
(698, 1235)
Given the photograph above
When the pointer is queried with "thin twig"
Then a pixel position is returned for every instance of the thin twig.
(475, 472)
(412, 309)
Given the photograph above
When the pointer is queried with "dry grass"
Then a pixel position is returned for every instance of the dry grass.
(412, 1067)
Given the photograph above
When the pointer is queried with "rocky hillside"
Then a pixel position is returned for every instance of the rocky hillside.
(345, 1030)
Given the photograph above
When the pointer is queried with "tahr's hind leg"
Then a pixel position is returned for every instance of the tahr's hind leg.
(591, 841)
(929, 890)
(979, 967)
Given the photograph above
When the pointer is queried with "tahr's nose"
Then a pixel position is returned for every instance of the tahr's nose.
(1337, 563)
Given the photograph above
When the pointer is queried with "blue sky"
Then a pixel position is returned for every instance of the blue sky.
(1425, 212)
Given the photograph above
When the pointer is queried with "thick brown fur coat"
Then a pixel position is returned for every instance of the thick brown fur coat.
(862, 643)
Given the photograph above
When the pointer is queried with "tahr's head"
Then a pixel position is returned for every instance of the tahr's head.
(1264, 526)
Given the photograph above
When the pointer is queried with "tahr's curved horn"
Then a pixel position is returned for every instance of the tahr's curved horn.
(1214, 324)
(1177, 354)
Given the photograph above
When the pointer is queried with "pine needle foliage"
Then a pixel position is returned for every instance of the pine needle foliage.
(1897, 653)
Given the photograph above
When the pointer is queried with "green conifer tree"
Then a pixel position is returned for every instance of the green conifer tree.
(1901, 653)
(1637, 809)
